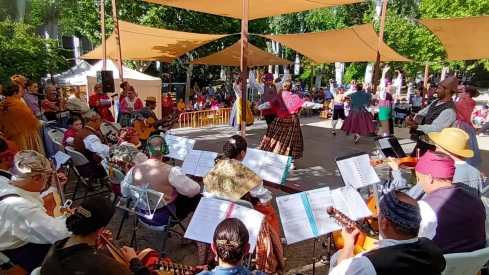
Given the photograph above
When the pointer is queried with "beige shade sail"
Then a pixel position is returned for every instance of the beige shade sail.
(257, 8)
(356, 44)
(231, 56)
(463, 38)
(151, 44)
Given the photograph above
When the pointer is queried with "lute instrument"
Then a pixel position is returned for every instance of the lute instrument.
(362, 241)
(404, 163)
(54, 202)
(145, 129)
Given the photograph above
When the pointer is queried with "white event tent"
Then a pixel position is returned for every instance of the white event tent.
(143, 84)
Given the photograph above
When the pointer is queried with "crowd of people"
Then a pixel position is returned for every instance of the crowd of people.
(440, 213)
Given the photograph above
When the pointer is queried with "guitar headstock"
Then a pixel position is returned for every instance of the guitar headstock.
(177, 269)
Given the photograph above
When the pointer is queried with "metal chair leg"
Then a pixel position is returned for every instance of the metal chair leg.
(125, 215)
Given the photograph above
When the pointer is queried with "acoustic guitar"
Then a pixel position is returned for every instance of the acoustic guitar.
(415, 134)
(145, 130)
(362, 241)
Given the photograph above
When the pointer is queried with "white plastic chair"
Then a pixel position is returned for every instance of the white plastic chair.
(36, 271)
(106, 128)
(56, 135)
(466, 263)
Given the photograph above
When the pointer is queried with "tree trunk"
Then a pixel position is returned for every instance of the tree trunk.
(276, 51)
(297, 65)
(189, 79)
(319, 77)
(339, 72)
(142, 66)
(21, 4)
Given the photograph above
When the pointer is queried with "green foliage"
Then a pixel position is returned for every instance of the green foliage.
(355, 71)
(23, 52)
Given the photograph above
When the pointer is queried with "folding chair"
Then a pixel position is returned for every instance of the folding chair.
(107, 128)
(466, 263)
(144, 198)
(81, 166)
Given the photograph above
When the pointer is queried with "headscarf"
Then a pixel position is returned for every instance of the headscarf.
(403, 214)
(29, 163)
(268, 76)
(436, 166)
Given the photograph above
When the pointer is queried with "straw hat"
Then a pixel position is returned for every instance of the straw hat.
(451, 83)
(150, 99)
(454, 140)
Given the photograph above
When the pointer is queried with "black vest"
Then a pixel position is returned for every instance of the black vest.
(434, 111)
(421, 257)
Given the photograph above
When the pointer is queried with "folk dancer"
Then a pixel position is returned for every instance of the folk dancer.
(359, 121)
(236, 110)
(465, 108)
(452, 217)
(338, 107)
(148, 112)
(27, 231)
(8, 149)
(90, 142)
(79, 254)
(181, 194)
(385, 105)
(18, 123)
(127, 106)
(453, 142)
(33, 100)
(400, 250)
(440, 114)
(100, 102)
(231, 244)
(268, 91)
(284, 136)
(230, 178)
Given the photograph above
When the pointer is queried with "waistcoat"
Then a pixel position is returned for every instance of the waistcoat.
(156, 174)
(435, 111)
(269, 92)
(79, 145)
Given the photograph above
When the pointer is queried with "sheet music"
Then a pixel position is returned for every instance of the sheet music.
(340, 203)
(178, 146)
(293, 216)
(319, 200)
(61, 158)
(198, 163)
(253, 221)
(358, 208)
(207, 216)
(367, 170)
(349, 172)
(384, 143)
(357, 171)
(268, 166)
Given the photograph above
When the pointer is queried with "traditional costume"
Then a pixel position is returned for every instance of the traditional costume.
(236, 110)
(338, 107)
(127, 107)
(230, 178)
(103, 108)
(359, 121)
(465, 107)
(18, 124)
(167, 105)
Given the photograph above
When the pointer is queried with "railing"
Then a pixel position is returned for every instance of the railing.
(204, 118)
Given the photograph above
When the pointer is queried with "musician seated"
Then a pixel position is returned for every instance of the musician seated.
(230, 178)
(90, 142)
(452, 217)
(75, 125)
(453, 142)
(231, 244)
(400, 250)
(78, 254)
(181, 194)
(8, 149)
(126, 151)
(148, 112)
(26, 230)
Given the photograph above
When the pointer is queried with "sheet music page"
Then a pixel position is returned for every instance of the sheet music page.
(253, 221)
(349, 172)
(61, 158)
(367, 170)
(294, 219)
(254, 159)
(358, 208)
(206, 162)
(191, 161)
(384, 143)
(178, 146)
(274, 167)
(319, 200)
(340, 203)
(207, 216)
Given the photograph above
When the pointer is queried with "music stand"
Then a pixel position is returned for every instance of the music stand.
(389, 147)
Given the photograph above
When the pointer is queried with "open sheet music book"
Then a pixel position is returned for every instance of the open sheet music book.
(304, 215)
(356, 170)
(211, 212)
(178, 146)
(268, 166)
(198, 163)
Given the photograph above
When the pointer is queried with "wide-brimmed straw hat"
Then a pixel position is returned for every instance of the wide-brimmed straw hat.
(454, 140)
(150, 99)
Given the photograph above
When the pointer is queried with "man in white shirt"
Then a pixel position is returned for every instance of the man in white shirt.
(8, 149)
(400, 250)
(26, 230)
(181, 194)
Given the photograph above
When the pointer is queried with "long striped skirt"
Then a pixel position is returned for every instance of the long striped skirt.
(284, 137)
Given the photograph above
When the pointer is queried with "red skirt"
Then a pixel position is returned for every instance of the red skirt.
(359, 122)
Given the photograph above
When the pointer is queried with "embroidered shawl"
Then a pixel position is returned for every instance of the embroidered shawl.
(230, 178)
(286, 103)
(16, 117)
(465, 107)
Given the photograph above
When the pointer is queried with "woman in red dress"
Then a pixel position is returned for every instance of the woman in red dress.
(100, 102)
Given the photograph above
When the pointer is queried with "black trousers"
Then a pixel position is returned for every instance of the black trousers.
(29, 256)
(269, 118)
(339, 113)
(186, 205)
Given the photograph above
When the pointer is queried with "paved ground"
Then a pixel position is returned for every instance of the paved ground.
(316, 169)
